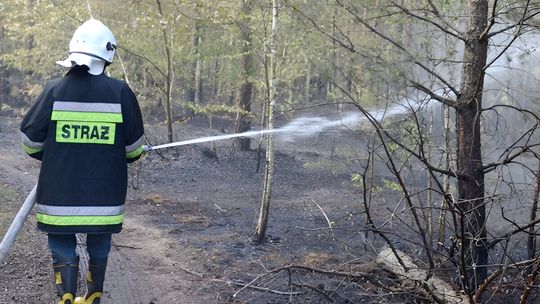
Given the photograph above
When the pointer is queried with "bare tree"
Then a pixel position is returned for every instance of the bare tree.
(469, 246)
(269, 160)
(169, 77)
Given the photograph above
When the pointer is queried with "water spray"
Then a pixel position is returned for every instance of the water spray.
(300, 127)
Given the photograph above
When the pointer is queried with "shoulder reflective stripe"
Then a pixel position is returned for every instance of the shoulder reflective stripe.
(71, 106)
(82, 211)
(79, 220)
(134, 146)
(135, 152)
(87, 116)
(30, 150)
(79, 132)
(29, 143)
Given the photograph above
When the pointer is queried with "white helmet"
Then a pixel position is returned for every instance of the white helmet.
(93, 45)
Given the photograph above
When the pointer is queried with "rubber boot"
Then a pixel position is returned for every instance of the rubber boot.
(65, 275)
(94, 282)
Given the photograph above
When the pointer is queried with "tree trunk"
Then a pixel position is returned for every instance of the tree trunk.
(197, 79)
(169, 78)
(446, 179)
(193, 93)
(243, 122)
(469, 151)
(269, 168)
(531, 239)
(197, 82)
(307, 91)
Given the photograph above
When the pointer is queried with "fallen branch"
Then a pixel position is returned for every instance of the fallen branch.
(439, 290)
(326, 217)
(247, 285)
(531, 280)
(190, 271)
(126, 246)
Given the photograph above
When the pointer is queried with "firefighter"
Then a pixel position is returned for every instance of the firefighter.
(85, 128)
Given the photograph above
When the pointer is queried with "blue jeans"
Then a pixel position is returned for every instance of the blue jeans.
(63, 247)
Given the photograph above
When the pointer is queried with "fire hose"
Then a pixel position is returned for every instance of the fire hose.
(17, 224)
(26, 207)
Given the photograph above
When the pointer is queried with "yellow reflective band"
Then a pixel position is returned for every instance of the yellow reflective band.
(89, 299)
(135, 152)
(85, 132)
(79, 220)
(57, 278)
(67, 297)
(30, 150)
(87, 116)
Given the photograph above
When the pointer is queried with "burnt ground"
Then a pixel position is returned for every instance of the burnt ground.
(191, 215)
(190, 219)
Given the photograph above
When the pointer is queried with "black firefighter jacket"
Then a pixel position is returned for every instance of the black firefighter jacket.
(84, 129)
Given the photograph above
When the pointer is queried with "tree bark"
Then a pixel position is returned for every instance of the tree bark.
(194, 92)
(197, 82)
(469, 151)
(269, 162)
(169, 77)
(531, 239)
(243, 121)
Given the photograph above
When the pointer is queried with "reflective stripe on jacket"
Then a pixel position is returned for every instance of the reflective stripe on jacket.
(84, 129)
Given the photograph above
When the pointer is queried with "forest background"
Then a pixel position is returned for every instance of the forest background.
(445, 95)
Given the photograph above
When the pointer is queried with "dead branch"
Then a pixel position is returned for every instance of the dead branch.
(517, 230)
(326, 217)
(448, 29)
(126, 246)
(486, 283)
(437, 289)
(190, 271)
(531, 280)
(244, 285)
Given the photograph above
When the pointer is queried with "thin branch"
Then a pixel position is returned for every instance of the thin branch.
(434, 9)
(491, 20)
(326, 217)
(452, 32)
(486, 283)
(244, 285)
(522, 22)
(349, 46)
(446, 101)
(517, 230)
(145, 59)
(516, 35)
(510, 157)
(123, 67)
(531, 280)
(378, 127)
(400, 47)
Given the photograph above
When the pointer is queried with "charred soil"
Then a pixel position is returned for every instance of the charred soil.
(187, 237)
(190, 218)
